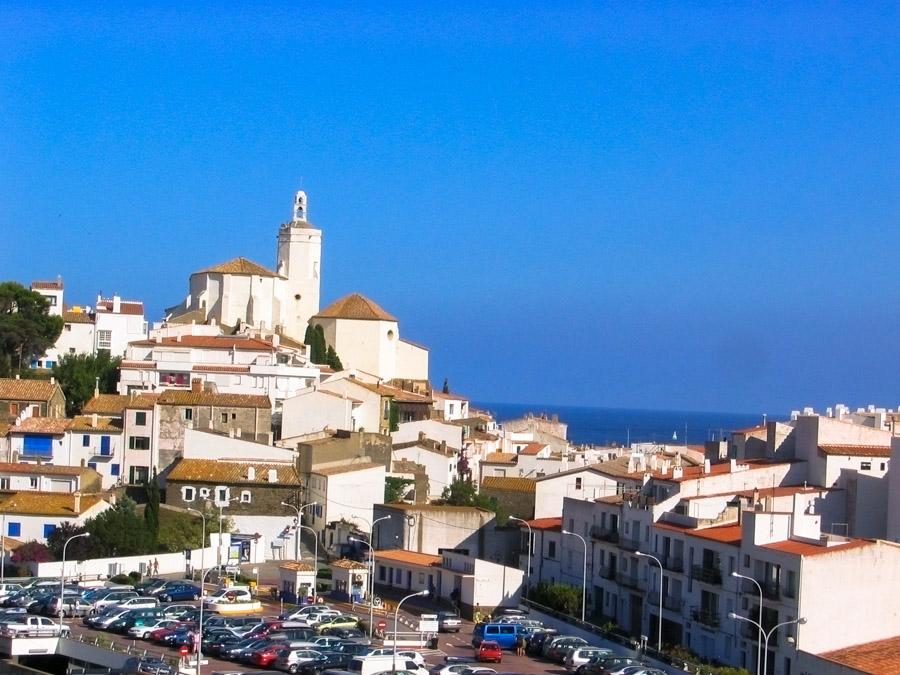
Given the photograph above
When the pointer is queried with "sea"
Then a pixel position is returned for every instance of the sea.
(621, 426)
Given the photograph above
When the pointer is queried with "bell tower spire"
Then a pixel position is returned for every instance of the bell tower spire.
(298, 260)
(300, 206)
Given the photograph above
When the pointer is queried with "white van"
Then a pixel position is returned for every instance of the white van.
(369, 665)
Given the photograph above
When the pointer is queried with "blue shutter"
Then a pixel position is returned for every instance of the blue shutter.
(38, 445)
(113, 469)
(49, 528)
(104, 445)
(14, 529)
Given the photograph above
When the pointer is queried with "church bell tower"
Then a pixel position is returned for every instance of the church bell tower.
(299, 259)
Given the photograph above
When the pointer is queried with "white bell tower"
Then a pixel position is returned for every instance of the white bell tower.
(299, 259)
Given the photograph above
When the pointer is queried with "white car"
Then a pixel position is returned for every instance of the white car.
(291, 660)
(138, 602)
(408, 655)
(315, 618)
(578, 656)
(143, 632)
(463, 669)
(113, 599)
(227, 595)
(303, 612)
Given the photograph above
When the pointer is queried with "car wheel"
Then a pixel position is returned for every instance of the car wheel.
(293, 668)
(165, 598)
(195, 596)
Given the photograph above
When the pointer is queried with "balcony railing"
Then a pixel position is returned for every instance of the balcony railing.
(672, 563)
(628, 580)
(705, 617)
(708, 575)
(670, 602)
(770, 590)
(604, 534)
(607, 572)
(629, 544)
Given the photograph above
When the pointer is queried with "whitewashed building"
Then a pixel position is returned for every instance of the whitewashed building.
(35, 515)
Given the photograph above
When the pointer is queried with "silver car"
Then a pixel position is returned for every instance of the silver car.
(578, 656)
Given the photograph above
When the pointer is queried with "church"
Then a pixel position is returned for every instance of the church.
(240, 294)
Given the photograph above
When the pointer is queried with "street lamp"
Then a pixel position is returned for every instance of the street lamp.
(62, 575)
(198, 644)
(220, 504)
(202, 575)
(583, 573)
(737, 617)
(298, 510)
(371, 580)
(659, 617)
(396, 618)
(2, 548)
(530, 552)
(315, 561)
(759, 638)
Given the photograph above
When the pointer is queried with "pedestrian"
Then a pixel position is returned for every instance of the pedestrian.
(155, 566)
(520, 645)
(149, 568)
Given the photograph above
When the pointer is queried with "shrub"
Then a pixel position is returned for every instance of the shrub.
(120, 579)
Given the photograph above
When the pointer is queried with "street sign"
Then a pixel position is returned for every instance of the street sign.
(428, 625)
(382, 624)
(183, 650)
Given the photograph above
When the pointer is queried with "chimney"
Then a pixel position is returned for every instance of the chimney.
(117, 304)
(422, 436)
(112, 498)
(732, 465)
(273, 476)
(444, 446)
(96, 386)
(157, 339)
(251, 473)
(210, 425)
(52, 379)
(196, 385)
(94, 420)
(76, 506)
(705, 466)
(677, 472)
(276, 340)
(178, 338)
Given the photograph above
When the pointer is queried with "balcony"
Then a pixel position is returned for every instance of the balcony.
(770, 590)
(672, 563)
(629, 544)
(628, 580)
(607, 572)
(705, 617)
(670, 602)
(708, 575)
(604, 534)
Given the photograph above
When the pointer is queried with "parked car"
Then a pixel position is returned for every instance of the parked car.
(72, 605)
(578, 656)
(235, 651)
(227, 595)
(35, 625)
(334, 660)
(113, 598)
(449, 622)
(144, 632)
(537, 639)
(607, 664)
(339, 621)
(344, 633)
(489, 650)
(181, 591)
(303, 612)
(407, 654)
(291, 660)
(560, 647)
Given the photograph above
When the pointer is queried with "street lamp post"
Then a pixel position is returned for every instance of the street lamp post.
(530, 552)
(202, 575)
(371, 584)
(2, 548)
(397, 618)
(298, 510)
(315, 561)
(62, 575)
(759, 638)
(583, 573)
(767, 634)
(659, 616)
(220, 504)
(198, 643)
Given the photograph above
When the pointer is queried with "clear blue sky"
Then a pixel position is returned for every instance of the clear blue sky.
(678, 205)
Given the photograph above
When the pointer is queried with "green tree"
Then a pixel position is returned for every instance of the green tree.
(463, 492)
(332, 359)
(395, 488)
(118, 531)
(57, 539)
(318, 347)
(393, 416)
(26, 327)
(78, 374)
(151, 511)
(561, 597)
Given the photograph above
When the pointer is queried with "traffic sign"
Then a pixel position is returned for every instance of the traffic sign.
(183, 650)
(382, 624)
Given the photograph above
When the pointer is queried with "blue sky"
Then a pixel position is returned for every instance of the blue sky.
(656, 205)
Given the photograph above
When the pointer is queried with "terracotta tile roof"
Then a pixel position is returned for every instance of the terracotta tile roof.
(77, 317)
(750, 430)
(725, 534)
(877, 658)
(295, 566)
(345, 564)
(410, 557)
(446, 508)
(857, 450)
(208, 398)
(45, 503)
(546, 523)
(193, 316)
(44, 469)
(26, 390)
(428, 445)
(805, 549)
(437, 393)
(354, 306)
(41, 425)
(508, 483)
(46, 285)
(482, 436)
(406, 466)
(104, 424)
(532, 449)
(329, 393)
(345, 468)
(125, 307)
(237, 342)
(213, 368)
(610, 499)
(4, 429)
(10, 544)
(137, 365)
(399, 395)
(240, 266)
(144, 401)
(500, 458)
(106, 404)
(231, 473)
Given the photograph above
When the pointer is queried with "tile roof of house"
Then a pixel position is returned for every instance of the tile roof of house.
(208, 398)
(44, 469)
(77, 317)
(219, 368)
(47, 285)
(45, 503)
(232, 473)
(407, 466)
(26, 390)
(346, 468)
(143, 401)
(41, 425)
(593, 468)
(10, 544)
(806, 549)
(326, 392)
(500, 458)
(437, 393)
(482, 436)
(132, 307)
(106, 404)
(241, 266)
(428, 445)
(193, 316)
(399, 395)
(346, 564)
(508, 483)
(354, 306)
(750, 430)
(881, 657)
(725, 534)
(533, 449)
(546, 523)
(296, 566)
(237, 342)
(104, 424)
(447, 508)
(4, 429)
(410, 557)
(857, 450)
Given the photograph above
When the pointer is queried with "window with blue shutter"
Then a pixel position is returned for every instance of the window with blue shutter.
(113, 469)
(85, 441)
(104, 445)
(38, 445)
(49, 528)
(92, 465)
(13, 529)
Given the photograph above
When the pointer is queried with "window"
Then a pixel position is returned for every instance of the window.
(4, 483)
(551, 549)
(233, 416)
(204, 493)
(138, 474)
(49, 528)
(32, 482)
(245, 496)
(105, 446)
(85, 441)
(224, 418)
(188, 413)
(865, 466)
(92, 465)
(104, 339)
(222, 494)
(882, 466)
(578, 483)
(14, 529)
(187, 494)
(139, 443)
(398, 576)
(381, 573)
(114, 470)
(140, 419)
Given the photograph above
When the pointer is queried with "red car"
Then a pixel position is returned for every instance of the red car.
(489, 651)
(267, 655)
